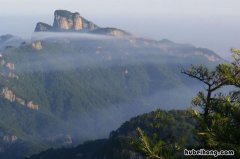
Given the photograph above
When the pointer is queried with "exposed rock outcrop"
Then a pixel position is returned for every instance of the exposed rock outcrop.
(61, 139)
(9, 138)
(9, 95)
(20, 101)
(37, 45)
(13, 75)
(66, 21)
(10, 66)
(112, 31)
(6, 141)
(7, 69)
(43, 27)
(210, 57)
(30, 105)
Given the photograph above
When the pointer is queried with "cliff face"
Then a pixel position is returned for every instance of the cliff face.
(66, 21)
(10, 96)
(43, 27)
(37, 45)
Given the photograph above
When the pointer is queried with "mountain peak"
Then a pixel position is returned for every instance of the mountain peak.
(64, 13)
(42, 27)
(66, 21)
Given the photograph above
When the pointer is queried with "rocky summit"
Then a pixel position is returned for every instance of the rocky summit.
(66, 21)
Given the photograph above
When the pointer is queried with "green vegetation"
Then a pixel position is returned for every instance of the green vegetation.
(216, 113)
(169, 127)
(218, 117)
(85, 88)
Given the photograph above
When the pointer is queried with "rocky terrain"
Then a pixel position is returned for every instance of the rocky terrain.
(75, 81)
(65, 21)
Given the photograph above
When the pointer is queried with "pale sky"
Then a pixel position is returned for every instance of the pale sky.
(206, 23)
(118, 7)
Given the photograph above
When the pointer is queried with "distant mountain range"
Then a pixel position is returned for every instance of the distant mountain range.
(75, 81)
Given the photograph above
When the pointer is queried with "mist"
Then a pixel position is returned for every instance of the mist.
(216, 33)
(87, 85)
(77, 36)
(98, 123)
(83, 52)
(86, 52)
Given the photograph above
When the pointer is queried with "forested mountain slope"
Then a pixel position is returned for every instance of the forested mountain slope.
(171, 127)
(63, 88)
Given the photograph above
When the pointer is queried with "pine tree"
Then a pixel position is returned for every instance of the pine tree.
(218, 114)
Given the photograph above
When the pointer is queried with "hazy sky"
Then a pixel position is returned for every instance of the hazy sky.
(207, 23)
(118, 7)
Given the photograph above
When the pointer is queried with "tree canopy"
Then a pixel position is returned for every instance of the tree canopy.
(218, 111)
